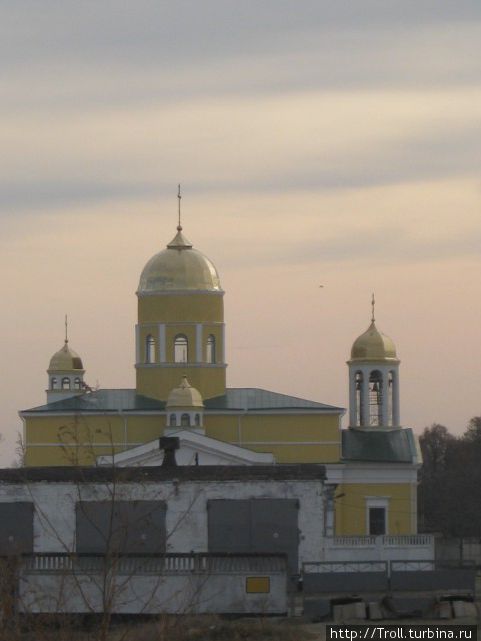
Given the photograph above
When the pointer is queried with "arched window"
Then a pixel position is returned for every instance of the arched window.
(65, 382)
(77, 384)
(185, 420)
(172, 420)
(375, 397)
(150, 349)
(197, 420)
(359, 402)
(54, 382)
(210, 355)
(181, 349)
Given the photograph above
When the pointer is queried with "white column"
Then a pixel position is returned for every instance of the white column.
(385, 398)
(396, 419)
(137, 344)
(222, 360)
(352, 397)
(162, 356)
(365, 398)
(198, 343)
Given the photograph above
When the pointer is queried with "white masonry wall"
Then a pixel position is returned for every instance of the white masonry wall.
(186, 517)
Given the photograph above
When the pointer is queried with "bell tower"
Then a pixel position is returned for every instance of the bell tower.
(180, 329)
(373, 380)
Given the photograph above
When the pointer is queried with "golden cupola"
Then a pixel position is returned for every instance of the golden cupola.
(65, 373)
(373, 345)
(184, 406)
(180, 327)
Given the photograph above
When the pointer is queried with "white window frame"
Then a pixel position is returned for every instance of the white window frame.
(379, 502)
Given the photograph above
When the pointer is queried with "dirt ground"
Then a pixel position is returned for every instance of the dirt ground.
(207, 628)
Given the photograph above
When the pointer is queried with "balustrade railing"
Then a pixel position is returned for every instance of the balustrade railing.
(131, 564)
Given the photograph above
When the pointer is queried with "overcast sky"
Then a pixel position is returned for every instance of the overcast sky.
(334, 143)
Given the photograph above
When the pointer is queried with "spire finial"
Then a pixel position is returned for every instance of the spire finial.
(373, 303)
(179, 197)
(66, 329)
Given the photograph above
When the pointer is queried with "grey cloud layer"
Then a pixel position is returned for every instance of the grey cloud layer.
(180, 29)
(64, 60)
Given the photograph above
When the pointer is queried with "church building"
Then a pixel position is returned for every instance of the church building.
(181, 391)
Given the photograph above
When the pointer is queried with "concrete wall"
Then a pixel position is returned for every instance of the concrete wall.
(134, 592)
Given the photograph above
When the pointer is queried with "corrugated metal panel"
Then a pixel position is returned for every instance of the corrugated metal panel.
(250, 526)
(120, 526)
(16, 528)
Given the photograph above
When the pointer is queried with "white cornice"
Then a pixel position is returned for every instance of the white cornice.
(181, 292)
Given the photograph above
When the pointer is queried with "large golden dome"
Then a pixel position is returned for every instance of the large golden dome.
(65, 360)
(179, 267)
(373, 346)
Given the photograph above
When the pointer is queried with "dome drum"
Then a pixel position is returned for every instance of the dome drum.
(180, 322)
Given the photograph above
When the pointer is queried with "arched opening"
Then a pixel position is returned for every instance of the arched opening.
(54, 383)
(77, 384)
(65, 382)
(375, 397)
(172, 420)
(210, 351)
(181, 349)
(150, 349)
(185, 420)
(197, 420)
(359, 403)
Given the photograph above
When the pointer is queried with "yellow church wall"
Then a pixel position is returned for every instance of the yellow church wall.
(291, 438)
(47, 438)
(38, 456)
(351, 510)
(288, 453)
(98, 428)
(144, 428)
(157, 382)
(177, 308)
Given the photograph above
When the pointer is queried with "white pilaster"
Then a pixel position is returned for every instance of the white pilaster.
(352, 398)
(198, 343)
(223, 359)
(385, 398)
(162, 350)
(396, 419)
(137, 344)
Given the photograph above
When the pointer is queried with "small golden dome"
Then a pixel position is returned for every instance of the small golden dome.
(65, 359)
(179, 267)
(184, 396)
(373, 346)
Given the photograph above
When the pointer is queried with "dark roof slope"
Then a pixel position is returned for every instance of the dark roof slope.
(391, 446)
(235, 399)
(109, 474)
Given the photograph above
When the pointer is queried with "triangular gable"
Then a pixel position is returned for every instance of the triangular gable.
(194, 449)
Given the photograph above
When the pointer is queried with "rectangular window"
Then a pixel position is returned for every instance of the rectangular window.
(377, 521)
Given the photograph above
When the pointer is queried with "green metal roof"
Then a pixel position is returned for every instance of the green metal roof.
(254, 398)
(235, 399)
(388, 446)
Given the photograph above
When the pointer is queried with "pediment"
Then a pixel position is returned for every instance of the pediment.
(194, 449)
